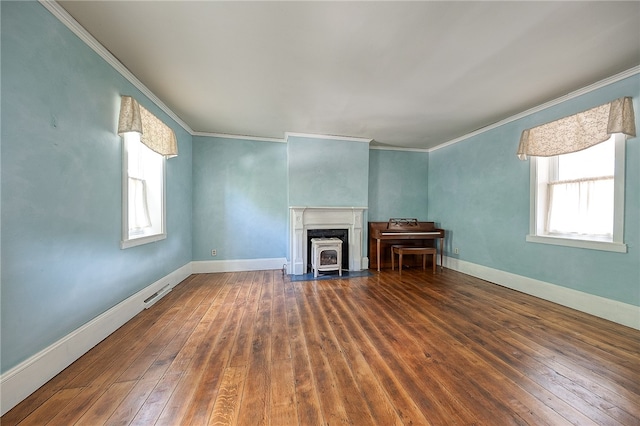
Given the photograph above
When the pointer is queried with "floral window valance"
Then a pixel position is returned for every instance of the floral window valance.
(153, 133)
(579, 131)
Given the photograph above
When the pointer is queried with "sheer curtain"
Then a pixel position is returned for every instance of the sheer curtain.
(581, 207)
(581, 196)
(138, 198)
(139, 208)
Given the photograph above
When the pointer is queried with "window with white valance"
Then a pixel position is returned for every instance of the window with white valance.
(147, 143)
(577, 177)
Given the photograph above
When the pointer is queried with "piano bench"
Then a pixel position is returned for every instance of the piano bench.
(402, 250)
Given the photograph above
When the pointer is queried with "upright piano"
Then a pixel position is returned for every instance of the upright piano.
(382, 235)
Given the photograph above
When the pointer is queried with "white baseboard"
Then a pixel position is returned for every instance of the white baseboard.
(209, 266)
(612, 310)
(23, 379)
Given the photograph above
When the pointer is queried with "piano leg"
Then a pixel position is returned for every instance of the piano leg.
(378, 253)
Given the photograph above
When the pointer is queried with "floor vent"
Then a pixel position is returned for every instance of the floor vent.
(149, 301)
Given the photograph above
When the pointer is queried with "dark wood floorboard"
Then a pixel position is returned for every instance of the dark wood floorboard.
(255, 348)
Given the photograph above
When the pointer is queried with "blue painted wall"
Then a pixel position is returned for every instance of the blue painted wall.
(398, 185)
(327, 172)
(240, 199)
(61, 187)
(480, 192)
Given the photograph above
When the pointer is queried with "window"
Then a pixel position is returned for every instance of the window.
(577, 177)
(578, 198)
(143, 200)
(148, 142)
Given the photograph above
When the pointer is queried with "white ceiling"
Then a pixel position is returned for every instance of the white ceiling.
(406, 74)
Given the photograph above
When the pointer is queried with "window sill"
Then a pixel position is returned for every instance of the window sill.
(573, 242)
(142, 240)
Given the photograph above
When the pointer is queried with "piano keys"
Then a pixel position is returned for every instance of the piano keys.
(382, 235)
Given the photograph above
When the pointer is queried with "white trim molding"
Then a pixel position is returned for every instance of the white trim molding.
(570, 242)
(396, 148)
(612, 310)
(23, 379)
(211, 266)
(241, 137)
(287, 135)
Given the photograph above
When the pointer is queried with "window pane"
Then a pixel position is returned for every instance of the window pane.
(145, 190)
(597, 161)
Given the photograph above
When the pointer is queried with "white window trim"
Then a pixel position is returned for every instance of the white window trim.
(536, 235)
(126, 241)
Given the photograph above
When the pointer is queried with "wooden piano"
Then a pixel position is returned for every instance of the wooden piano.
(382, 235)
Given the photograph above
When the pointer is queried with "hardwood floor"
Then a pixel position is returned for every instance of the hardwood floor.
(255, 348)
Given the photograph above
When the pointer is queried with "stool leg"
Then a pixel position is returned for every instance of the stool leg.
(434, 263)
(400, 263)
(424, 262)
(393, 258)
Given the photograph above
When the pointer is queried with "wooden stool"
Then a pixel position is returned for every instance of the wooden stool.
(402, 250)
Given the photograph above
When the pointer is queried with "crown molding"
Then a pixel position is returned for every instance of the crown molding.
(287, 135)
(75, 27)
(398, 148)
(246, 138)
(597, 85)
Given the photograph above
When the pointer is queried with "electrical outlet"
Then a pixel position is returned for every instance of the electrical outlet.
(456, 250)
(214, 252)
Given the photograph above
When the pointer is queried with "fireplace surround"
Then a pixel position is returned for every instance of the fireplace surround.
(302, 219)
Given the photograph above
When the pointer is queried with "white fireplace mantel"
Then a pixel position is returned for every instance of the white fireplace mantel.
(302, 219)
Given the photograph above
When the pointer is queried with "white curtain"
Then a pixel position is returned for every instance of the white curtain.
(137, 174)
(581, 207)
(138, 206)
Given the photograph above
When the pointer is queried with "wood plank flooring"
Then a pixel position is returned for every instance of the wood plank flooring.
(254, 348)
